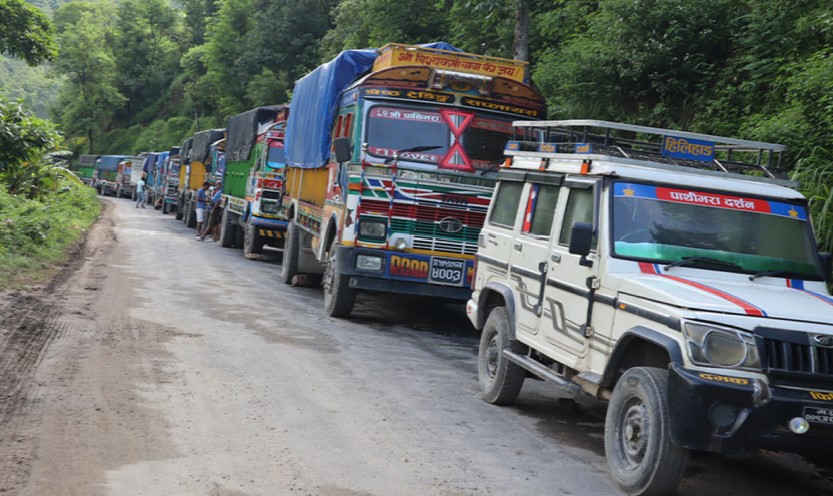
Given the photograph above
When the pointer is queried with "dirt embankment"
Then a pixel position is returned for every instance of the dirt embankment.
(29, 322)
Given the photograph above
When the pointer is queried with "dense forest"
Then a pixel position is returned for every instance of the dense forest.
(136, 75)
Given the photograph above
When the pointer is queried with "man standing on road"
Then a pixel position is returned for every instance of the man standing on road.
(140, 192)
(202, 202)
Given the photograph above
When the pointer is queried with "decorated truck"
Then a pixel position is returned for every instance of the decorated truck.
(195, 171)
(136, 171)
(107, 168)
(418, 133)
(86, 169)
(170, 173)
(253, 179)
(126, 188)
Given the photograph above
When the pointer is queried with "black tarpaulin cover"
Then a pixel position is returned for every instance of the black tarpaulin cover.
(202, 142)
(241, 131)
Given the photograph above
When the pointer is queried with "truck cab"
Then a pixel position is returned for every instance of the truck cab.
(674, 274)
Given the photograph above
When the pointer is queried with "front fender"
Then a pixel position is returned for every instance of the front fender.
(489, 291)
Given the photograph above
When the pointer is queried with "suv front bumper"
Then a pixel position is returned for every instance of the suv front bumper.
(721, 414)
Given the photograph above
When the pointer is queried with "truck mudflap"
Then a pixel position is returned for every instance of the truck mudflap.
(406, 273)
(723, 413)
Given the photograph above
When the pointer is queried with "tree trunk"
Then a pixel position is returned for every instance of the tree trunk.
(521, 48)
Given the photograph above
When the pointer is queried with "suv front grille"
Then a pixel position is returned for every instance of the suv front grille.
(800, 364)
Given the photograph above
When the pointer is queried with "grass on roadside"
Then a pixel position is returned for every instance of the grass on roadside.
(36, 235)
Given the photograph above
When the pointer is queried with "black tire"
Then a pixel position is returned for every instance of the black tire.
(252, 242)
(192, 215)
(180, 213)
(642, 458)
(289, 264)
(339, 297)
(500, 379)
(228, 230)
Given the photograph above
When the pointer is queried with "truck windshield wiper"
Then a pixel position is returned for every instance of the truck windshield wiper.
(707, 261)
(421, 148)
(770, 273)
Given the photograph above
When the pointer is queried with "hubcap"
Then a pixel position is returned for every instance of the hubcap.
(492, 355)
(634, 432)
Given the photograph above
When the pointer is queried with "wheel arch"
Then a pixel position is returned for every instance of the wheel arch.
(331, 232)
(641, 346)
(494, 295)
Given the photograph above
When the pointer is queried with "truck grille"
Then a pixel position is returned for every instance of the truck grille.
(424, 221)
(793, 363)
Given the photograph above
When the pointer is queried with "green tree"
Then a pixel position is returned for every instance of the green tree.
(89, 98)
(23, 141)
(26, 32)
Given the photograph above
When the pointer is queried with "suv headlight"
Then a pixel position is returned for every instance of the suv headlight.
(720, 347)
(372, 229)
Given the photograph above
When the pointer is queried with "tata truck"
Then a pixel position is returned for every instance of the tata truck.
(86, 169)
(126, 188)
(253, 180)
(195, 171)
(391, 157)
(107, 167)
(170, 190)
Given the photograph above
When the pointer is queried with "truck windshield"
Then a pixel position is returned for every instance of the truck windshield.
(668, 224)
(465, 141)
(276, 158)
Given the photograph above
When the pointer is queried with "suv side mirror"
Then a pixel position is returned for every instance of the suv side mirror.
(826, 266)
(342, 148)
(581, 240)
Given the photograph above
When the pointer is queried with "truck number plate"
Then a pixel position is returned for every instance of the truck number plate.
(447, 271)
(818, 415)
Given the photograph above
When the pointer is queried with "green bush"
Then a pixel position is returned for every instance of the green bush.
(35, 233)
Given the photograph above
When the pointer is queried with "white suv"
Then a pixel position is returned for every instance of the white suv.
(670, 273)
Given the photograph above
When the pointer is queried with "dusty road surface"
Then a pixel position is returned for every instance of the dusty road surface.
(158, 365)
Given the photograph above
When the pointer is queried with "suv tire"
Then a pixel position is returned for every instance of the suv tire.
(500, 379)
(642, 458)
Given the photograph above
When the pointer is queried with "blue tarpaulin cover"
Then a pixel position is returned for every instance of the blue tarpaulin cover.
(149, 163)
(160, 159)
(315, 100)
(110, 162)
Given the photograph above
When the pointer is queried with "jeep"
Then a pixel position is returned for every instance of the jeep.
(675, 275)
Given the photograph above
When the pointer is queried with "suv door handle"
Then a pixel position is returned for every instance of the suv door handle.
(519, 246)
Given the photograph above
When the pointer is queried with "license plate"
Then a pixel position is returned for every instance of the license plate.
(447, 271)
(818, 415)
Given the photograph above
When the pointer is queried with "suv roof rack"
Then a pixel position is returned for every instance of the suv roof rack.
(680, 148)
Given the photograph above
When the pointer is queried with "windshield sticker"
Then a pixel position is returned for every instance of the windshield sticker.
(750, 309)
(405, 115)
(783, 209)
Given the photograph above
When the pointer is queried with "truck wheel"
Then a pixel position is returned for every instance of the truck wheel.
(500, 379)
(289, 264)
(227, 230)
(252, 242)
(179, 212)
(192, 215)
(339, 298)
(642, 458)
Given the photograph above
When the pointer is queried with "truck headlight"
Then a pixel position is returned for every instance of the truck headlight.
(720, 347)
(372, 229)
(366, 262)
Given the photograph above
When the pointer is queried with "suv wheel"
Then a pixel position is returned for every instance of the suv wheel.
(500, 379)
(642, 458)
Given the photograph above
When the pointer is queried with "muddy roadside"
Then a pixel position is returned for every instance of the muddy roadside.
(58, 344)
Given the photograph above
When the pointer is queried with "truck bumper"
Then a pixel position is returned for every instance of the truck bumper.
(385, 279)
(264, 223)
(726, 414)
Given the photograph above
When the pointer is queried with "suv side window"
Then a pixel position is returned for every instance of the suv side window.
(579, 209)
(540, 209)
(506, 201)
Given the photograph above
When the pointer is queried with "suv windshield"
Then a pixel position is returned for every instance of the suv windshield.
(464, 141)
(666, 224)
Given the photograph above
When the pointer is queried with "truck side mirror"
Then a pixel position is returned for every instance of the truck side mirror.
(581, 240)
(342, 148)
(826, 266)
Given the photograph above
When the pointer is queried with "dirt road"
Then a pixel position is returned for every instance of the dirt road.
(159, 365)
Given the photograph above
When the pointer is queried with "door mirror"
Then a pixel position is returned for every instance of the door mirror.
(342, 149)
(826, 266)
(581, 238)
